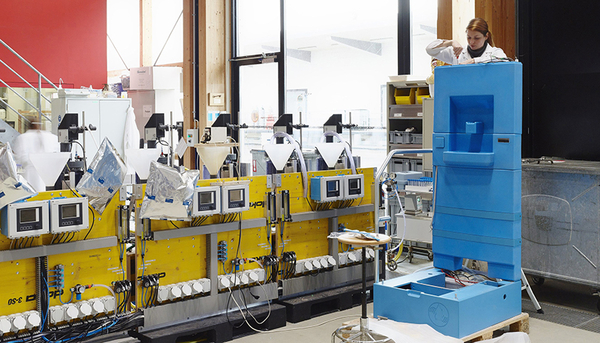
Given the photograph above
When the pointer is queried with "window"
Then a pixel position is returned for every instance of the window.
(423, 31)
(258, 106)
(167, 32)
(337, 59)
(123, 28)
(257, 26)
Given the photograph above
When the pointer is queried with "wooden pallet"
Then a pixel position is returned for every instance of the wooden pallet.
(519, 323)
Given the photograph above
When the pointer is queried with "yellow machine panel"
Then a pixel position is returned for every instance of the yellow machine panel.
(85, 267)
(184, 259)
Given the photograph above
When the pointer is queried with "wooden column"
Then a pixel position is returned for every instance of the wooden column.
(444, 20)
(188, 79)
(500, 16)
(213, 62)
(146, 33)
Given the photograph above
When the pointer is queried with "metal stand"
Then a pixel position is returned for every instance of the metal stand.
(525, 285)
(360, 333)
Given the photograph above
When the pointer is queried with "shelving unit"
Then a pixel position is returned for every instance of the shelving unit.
(400, 117)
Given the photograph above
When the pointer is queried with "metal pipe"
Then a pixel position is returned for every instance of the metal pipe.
(28, 64)
(22, 98)
(17, 112)
(350, 129)
(171, 137)
(364, 283)
(380, 172)
(300, 120)
(22, 79)
(169, 37)
(40, 100)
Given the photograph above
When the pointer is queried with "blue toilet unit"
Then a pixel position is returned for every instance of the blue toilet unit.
(477, 204)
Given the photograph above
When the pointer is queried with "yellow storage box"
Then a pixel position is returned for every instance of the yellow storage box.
(404, 96)
(422, 92)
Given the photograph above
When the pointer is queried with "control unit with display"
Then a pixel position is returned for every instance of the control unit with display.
(326, 188)
(207, 201)
(235, 197)
(354, 186)
(68, 214)
(25, 219)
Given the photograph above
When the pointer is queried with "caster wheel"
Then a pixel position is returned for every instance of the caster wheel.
(538, 281)
(392, 265)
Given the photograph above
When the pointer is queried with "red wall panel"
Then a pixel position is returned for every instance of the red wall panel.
(60, 38)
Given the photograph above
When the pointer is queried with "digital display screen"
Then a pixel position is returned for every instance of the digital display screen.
(236, 195)
(69, 211)
(354, 183)
(28, 215)
(332, 186)
(206, 198)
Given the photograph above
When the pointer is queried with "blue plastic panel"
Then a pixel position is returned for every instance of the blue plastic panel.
(493, 229)
(499, 151)
(422, 298)
(488, 190)
(487, 93)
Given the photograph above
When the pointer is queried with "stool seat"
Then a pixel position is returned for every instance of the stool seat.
(357, 239)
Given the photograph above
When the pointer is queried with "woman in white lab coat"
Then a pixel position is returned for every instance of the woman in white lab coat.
(34, 141)
(480, 47)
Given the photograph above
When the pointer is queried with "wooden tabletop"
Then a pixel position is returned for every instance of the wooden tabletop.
(359, 240)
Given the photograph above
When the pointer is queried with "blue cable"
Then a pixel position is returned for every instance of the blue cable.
(48, 309)
(60, 299)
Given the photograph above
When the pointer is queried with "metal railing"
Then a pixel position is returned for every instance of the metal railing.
(38, 90)
(380, 172)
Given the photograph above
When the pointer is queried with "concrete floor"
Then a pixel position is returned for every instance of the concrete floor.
(540, 331)
(319, 329)
(555, 292)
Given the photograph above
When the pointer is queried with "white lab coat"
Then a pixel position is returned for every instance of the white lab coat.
(446, 54)
(33, 141)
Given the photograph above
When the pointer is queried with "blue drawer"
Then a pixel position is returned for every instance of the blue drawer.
(422, 298)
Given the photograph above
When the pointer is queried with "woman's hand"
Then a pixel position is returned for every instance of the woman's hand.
(457, 48)
(469, 61)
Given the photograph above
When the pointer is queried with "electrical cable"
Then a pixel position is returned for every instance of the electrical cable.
(93, 221)
(60, 299)
(309, 204)
(84, 158)
(404, 217)
(122, 257)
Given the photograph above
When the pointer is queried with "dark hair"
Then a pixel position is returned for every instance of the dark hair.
(481, 25)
